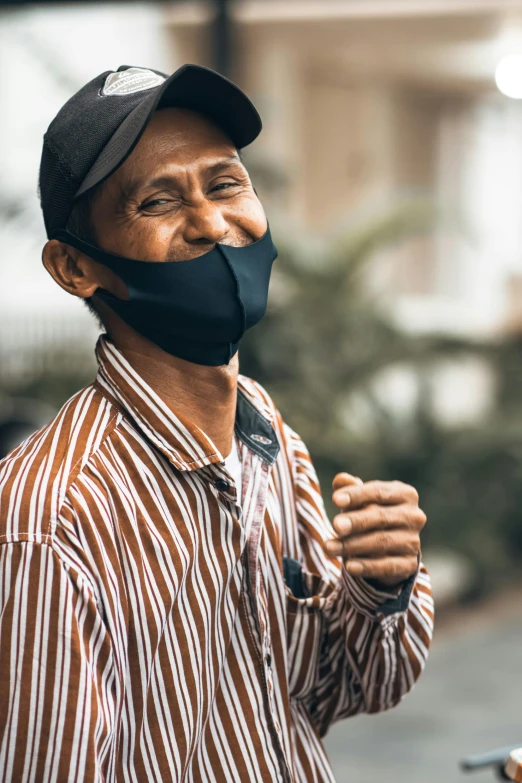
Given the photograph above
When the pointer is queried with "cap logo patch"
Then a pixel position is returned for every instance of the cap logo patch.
(131, 80)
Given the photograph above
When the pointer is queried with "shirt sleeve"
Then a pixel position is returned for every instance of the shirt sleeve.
(56, 708)
(374, 645)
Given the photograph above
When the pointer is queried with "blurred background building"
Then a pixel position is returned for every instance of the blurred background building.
(391, 169)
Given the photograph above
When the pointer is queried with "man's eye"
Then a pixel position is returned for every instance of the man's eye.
(224, 185)
(155, 202)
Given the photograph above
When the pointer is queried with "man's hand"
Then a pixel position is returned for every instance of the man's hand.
(378, 528)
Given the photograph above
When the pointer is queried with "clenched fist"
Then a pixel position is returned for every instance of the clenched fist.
(378, 529)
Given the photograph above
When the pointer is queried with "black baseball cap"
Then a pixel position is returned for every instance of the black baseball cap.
(97, 129)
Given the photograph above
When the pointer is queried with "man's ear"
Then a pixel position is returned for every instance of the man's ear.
(78, 274)
(69, 268)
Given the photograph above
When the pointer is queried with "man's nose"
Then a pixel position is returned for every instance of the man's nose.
(205, 223)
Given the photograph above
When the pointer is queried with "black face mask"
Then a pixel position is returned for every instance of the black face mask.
(197, 309)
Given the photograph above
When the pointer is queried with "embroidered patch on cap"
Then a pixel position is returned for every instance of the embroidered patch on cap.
(131, 80)
(261, 439)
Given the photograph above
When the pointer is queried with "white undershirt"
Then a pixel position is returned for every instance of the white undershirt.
(233, 465)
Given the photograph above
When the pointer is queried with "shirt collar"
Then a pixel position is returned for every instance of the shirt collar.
(180, 440)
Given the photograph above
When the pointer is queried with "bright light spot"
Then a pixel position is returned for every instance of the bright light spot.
(508, 75)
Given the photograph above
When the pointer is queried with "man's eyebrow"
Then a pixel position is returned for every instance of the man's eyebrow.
(223, 164)
(168, 180)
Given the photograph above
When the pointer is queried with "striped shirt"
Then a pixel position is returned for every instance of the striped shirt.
(156, 627)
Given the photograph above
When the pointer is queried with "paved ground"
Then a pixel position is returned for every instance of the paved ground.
(469, 700)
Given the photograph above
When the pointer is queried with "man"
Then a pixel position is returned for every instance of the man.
(175, 605)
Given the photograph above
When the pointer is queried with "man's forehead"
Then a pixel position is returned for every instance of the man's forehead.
(180, 124)
(180, 137)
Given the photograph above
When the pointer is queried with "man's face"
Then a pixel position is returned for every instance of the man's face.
(182, 189)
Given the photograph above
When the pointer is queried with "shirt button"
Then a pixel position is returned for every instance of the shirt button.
(268, 660)
(221, 485)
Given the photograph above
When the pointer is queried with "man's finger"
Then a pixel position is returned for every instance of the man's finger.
(388, 570)
(385, 493)
(346, 480)
(374, 517)
(384, 543)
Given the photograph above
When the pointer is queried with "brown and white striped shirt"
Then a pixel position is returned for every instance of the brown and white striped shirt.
(156, 627)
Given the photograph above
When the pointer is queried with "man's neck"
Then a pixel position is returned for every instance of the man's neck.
(205, 395)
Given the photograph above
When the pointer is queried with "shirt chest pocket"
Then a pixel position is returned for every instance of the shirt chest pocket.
(304, 624)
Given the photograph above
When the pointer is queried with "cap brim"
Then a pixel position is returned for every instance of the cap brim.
(192, 87)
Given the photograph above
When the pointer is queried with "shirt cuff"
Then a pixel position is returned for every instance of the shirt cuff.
(371, 601)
